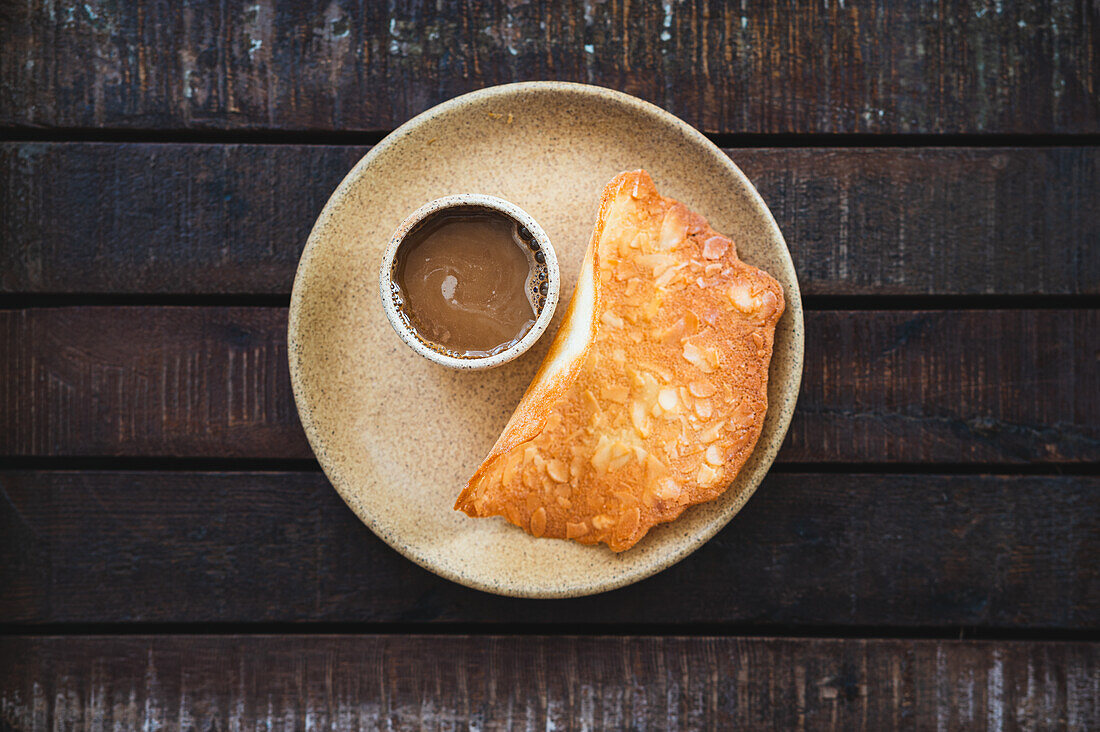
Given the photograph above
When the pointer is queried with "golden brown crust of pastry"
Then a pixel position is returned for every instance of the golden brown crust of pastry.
(654, 391)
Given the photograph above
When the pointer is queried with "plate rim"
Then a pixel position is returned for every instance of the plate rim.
(689, 544)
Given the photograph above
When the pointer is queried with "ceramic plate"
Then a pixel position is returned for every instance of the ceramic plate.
(397, 435)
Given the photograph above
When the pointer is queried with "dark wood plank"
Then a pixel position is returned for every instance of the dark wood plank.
(140, 218)
(147, 381)
(929, 386)
(787, 67)
(949, 386)
(144, 218)
(935, 221)
(808, 550)
(498, 683)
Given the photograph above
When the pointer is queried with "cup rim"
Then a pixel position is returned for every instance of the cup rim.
(410, 336)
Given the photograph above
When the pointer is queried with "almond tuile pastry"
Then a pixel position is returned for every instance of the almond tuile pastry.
(654, 391)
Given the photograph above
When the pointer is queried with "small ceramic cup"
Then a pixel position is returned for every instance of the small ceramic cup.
(547, 271)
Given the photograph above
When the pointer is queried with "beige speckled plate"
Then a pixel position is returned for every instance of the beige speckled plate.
(397, 435)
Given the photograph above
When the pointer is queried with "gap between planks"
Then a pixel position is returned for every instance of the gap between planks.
(822, 303)
(613, 630)
(171, 464)
(373, 137)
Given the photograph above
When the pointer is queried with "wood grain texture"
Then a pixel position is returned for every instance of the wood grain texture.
(501, 683)
(863, 550)
(173, 218)
(949, 386)
(759, 67)
(147, 381)
(144, 218)
(929, 386)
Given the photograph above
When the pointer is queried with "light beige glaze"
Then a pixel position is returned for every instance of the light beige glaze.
(397, 435)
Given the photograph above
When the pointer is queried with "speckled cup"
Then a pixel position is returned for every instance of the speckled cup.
(397, 435)
(549, 272)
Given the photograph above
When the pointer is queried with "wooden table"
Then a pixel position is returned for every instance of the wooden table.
(925, 552)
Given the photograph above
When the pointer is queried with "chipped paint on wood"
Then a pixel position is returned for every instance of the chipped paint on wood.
(401, 682)
(795, 67)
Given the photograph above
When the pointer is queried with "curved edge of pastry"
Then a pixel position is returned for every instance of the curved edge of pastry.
(562, 364)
